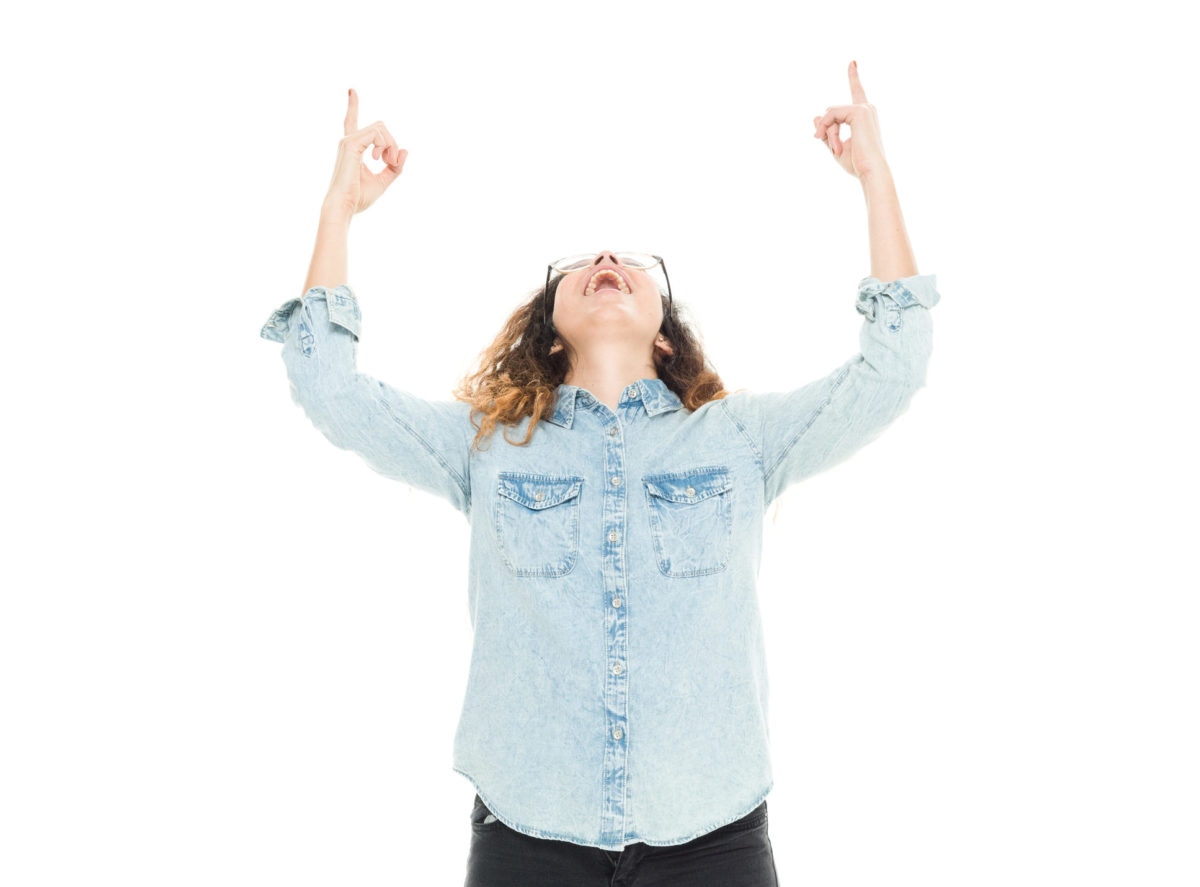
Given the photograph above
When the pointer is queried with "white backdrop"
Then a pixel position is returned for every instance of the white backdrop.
(231, 654)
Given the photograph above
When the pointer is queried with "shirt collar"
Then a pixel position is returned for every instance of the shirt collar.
(653, 394)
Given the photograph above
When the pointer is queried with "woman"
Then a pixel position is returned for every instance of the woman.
(615, 721)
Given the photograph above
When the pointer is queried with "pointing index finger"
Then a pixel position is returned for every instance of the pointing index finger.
(857, 94)
(352, 113)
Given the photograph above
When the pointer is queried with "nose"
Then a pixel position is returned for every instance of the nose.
(606, 254)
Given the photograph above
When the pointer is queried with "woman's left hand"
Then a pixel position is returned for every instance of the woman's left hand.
(862, 154)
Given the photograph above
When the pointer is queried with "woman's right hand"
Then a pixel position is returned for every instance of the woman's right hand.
(354, 187)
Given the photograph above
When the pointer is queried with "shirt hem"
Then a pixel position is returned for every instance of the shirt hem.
(754, 805)
(575, 839)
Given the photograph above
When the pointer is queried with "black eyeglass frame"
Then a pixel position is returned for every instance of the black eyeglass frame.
(548, 309)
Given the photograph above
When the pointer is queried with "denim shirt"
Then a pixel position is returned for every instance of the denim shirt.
(617, 690)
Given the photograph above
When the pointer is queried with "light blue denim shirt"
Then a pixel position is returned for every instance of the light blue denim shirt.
(617, 689)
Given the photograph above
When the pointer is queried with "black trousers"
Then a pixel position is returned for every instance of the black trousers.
(737, 855)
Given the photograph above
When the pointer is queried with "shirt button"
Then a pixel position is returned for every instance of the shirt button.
(612, 537)
(618, 733)
(617, 601)
(691, 491)
(616, 481)
(617, 668)
(538, 497)
(631, 392)
(612, 431)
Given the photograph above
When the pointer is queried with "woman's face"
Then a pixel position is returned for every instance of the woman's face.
(607, 302)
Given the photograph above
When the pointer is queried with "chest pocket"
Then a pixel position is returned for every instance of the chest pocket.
(691, 520)
(537, 522)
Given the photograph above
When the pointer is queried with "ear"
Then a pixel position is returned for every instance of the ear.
(663, 344)
(556, 347)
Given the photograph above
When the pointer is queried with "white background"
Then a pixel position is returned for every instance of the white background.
(230, 654)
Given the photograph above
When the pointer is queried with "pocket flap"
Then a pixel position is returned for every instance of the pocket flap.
(538, 491)
(689, 486)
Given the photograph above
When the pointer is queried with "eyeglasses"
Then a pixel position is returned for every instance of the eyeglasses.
(637, 261)
(640, 261)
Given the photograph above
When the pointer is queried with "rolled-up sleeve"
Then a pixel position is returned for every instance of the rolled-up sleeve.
(424, 443)
(799, 433)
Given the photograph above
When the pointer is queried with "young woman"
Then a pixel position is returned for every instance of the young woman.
(615, 721)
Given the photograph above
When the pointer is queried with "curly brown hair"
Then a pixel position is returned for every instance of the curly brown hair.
(517, 376)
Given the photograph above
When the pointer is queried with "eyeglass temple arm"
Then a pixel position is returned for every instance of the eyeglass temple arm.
(670, 298)
(546, 291)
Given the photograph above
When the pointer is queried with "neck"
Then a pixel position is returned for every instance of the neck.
(606, 372)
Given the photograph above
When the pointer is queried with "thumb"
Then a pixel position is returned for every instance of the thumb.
(390, 172)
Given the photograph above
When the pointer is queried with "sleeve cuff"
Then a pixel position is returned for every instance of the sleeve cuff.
(886, 301)
(343, 310)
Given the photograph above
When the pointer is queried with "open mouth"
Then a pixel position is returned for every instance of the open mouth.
(606, 279)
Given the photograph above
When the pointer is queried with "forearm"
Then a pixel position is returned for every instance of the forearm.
(891, 253)
(329, 262)
(424, 443)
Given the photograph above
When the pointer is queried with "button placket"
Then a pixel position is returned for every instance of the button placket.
(616, 680)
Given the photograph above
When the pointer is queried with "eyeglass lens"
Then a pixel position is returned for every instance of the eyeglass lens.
(631, 260)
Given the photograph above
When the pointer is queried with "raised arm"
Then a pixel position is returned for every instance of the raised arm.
(351, 190)
(424, 443)
(861, 155)
(800, 432)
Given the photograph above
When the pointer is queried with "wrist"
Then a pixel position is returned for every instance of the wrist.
(335, 213)
(877, 180)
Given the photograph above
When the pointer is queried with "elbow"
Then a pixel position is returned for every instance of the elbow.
(900, 392)
(893, 388)
(910, 377)
(325, 401)
(916, 375)
(901, 372)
